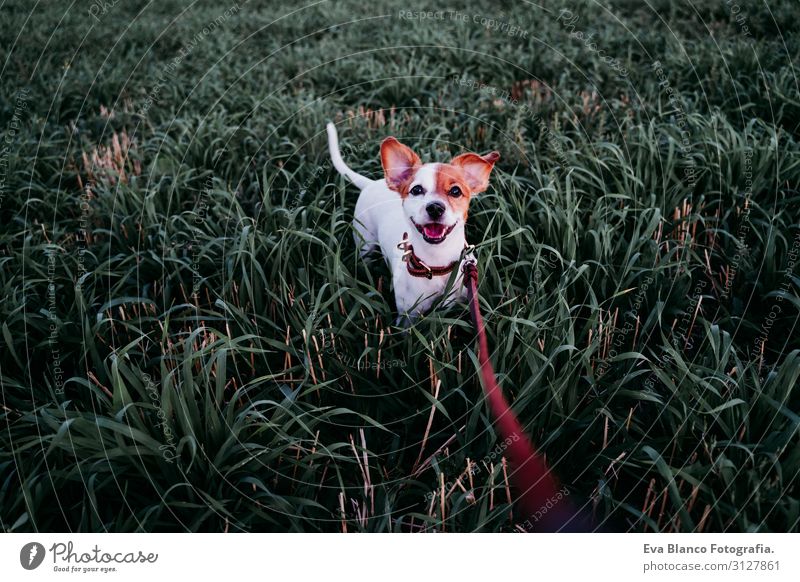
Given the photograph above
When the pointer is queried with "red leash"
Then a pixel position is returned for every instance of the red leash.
(539, 496)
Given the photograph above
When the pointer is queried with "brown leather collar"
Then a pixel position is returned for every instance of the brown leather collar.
(417, 267)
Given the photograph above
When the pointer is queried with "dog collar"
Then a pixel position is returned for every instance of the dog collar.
(418, 268)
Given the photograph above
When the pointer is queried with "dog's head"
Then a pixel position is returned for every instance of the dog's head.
(435, 196)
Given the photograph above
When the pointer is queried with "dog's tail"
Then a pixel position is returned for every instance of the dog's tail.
(338, 163)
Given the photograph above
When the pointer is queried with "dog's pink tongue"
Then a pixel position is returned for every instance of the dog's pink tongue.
(434, 230)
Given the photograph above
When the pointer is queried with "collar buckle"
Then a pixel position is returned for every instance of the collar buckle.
(405, 246)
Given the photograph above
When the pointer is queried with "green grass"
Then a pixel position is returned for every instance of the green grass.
(644, 323)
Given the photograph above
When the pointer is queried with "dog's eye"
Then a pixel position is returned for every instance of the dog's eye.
(417, 190)
(455, 192)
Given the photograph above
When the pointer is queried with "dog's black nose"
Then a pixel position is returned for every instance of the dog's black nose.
(435, 210)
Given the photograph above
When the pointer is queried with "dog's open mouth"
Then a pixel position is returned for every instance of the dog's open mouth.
(434, 232)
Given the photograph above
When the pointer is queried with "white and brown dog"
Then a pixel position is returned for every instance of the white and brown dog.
(416, 215)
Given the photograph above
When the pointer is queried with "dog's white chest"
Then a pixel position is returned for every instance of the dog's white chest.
(418, 294)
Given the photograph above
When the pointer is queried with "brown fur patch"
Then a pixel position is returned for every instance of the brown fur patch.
(448, 176)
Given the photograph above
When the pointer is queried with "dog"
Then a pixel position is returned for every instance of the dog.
(416, 217)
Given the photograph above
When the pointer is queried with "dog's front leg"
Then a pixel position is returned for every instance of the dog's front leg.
(407, 298)
(410, 311)
(406, 319)
(407, 311)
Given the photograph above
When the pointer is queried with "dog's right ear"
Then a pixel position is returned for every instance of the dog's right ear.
(399, 164)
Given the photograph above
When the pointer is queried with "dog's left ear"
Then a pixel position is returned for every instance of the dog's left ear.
(476, 169)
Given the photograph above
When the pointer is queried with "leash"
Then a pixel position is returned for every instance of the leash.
(539, 494)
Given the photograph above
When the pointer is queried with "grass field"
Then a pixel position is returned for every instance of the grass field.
(190, 342)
